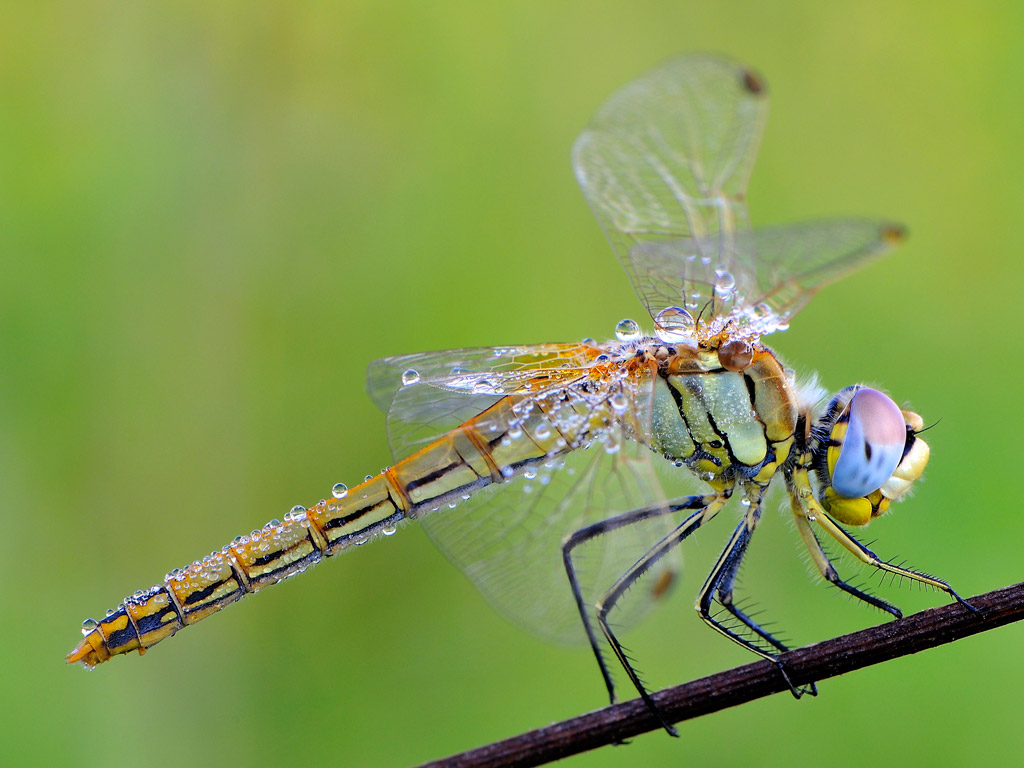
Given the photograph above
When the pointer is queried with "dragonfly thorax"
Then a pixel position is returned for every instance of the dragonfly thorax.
(728, 414)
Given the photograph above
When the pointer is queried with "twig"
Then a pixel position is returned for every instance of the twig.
(727, 689)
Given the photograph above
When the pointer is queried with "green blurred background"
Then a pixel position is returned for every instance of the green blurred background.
(212, 219)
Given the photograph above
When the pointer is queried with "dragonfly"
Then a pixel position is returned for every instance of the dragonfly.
(562, 478)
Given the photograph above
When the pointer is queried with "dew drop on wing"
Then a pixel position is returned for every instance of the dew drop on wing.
(339, 491)
(725, 284)
(410, 377)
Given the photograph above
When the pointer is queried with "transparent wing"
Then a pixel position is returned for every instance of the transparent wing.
(664, 165)
(507, 538)
(795, 261)
(447, 388)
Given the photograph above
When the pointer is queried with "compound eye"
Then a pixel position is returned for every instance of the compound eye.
(876, 435)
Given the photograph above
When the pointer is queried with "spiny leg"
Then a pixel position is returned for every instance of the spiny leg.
(722, 577)
(807, 507)
(825, 567)
(867, 556)
(706, 507)
(725, 597)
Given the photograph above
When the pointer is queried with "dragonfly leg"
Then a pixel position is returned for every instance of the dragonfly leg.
(808, 510)
(825, 567)
(705, 508)
(725, 597)
(867, 556)
(721, 581)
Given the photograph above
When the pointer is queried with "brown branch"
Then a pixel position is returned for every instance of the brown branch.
(727, 689)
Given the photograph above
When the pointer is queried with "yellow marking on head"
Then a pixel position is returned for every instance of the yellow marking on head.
(850, 511)
(910, 469)
(838, 436)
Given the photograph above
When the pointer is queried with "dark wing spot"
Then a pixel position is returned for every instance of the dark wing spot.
(752, 82)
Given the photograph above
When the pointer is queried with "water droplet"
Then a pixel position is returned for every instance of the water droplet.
(725, 284)
(627, 330)
(515, 431)
(368, 478)
(745, 501)
(507, 472)
(530, 472)
(542, 432)
(619, 402)
(484, 387)
(89, 625)
(410, 377)
(339, 491)
(297, 512)
(674, 324)
(389, 530)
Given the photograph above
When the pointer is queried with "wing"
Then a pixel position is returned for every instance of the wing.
(783, 267)
(425, 395)
(664, 166)
(795, 261)
(507, 538)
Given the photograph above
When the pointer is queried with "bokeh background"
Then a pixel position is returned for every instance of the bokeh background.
(212, 217)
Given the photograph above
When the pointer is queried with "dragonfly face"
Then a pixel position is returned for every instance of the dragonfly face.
(869, 453)
(533, 467)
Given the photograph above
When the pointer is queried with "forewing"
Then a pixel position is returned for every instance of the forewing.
(425, 395)
(664, 165)
(795, 261)
(784, 266)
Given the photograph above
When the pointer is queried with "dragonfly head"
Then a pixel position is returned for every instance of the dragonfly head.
(870, 455)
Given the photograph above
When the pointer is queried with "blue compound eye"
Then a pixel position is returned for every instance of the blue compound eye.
(872, 447)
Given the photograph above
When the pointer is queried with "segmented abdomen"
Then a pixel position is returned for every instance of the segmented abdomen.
(469, 457)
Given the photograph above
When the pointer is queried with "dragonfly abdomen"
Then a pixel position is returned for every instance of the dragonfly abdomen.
(489, 448)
